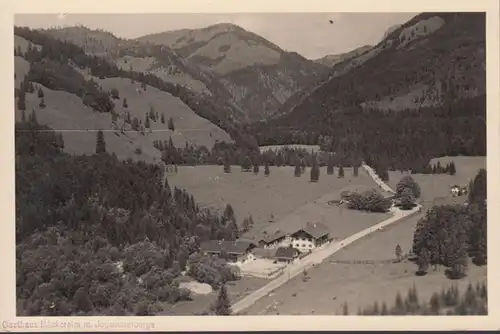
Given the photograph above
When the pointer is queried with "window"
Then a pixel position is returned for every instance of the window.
(310, 245)
(303, 245)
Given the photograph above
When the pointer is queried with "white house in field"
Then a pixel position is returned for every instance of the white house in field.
(310, 236)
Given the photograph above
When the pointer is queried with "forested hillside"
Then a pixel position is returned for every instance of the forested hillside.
(421, 94)
(98, 236)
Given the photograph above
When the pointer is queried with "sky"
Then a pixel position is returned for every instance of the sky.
(309, 34)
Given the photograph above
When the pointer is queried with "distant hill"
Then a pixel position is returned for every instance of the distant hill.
(331, 60)
(259, 75)
(427, 74)
(67, 109)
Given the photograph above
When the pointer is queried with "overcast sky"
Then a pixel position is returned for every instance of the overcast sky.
(309, 34)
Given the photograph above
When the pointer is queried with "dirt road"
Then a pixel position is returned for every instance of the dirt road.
(323, 252)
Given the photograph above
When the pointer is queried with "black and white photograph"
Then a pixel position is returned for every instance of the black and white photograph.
(250, 164)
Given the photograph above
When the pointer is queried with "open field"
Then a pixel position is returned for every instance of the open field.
(281, 194)
(362, 284)
(331, 284)
(437, 186)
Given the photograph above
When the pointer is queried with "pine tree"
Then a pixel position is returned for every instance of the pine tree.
(452, 169)
(222, 304)
(40, 93)
(297, 171)
(256, 169)
(171, 126)
(146, 122)
(21, 100)
(125, 104)
(423, 261)
(266, 169)
(398, 251)
(33, 119)
(314, 170)
(345, 309)
(329, 168)
(162, 118)
(355, 171)
(42, 103)
(408, 182)
(100, 144)
(246, 165)
(407, 200)
(227, 166)
(341, 172)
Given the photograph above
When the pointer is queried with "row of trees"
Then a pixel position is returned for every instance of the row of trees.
(98, 236)
(405, 140)
(449, 234)
(447, 302)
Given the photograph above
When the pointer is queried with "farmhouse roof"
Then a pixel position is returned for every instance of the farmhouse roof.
(315, 230)
(230, 247)
(286, 253)
(263, 253)
(273, 237)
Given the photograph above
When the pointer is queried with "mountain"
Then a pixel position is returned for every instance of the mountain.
(259, 75)
(83, 93)
(391, 30)
(427, 74)
(331, 60)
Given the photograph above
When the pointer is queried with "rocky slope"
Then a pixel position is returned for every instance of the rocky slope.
(259, 75)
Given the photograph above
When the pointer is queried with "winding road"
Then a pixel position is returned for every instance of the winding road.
(323, 252)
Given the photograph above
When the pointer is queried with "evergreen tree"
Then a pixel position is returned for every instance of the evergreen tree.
(256, 169)
(407, 182)
(33, 118)
(162, 118)
(42, 103)
(314, 170)
(246, 165)
(21, 100)
(171, 126)
(297, 171)
(423, 261)
(100, 144)
(407, 200)
(345, 309)
(222, 304)
(329, 168)
(398, 252)
(341, 172)
(227, 166)
(452, 169)
(266, 169)
(40, 93)
(146, 122)
(355, 170)
(125, 103)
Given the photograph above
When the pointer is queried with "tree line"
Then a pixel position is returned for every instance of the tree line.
(447, 302)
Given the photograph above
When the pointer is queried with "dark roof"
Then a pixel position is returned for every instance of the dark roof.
(286, 253)
(273, 237)
(263, 253)
(230, 247)
(315, 230)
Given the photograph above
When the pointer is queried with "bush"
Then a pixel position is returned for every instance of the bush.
(371, 201)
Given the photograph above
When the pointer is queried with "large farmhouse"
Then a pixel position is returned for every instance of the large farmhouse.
(233, 250)
(309, 237)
